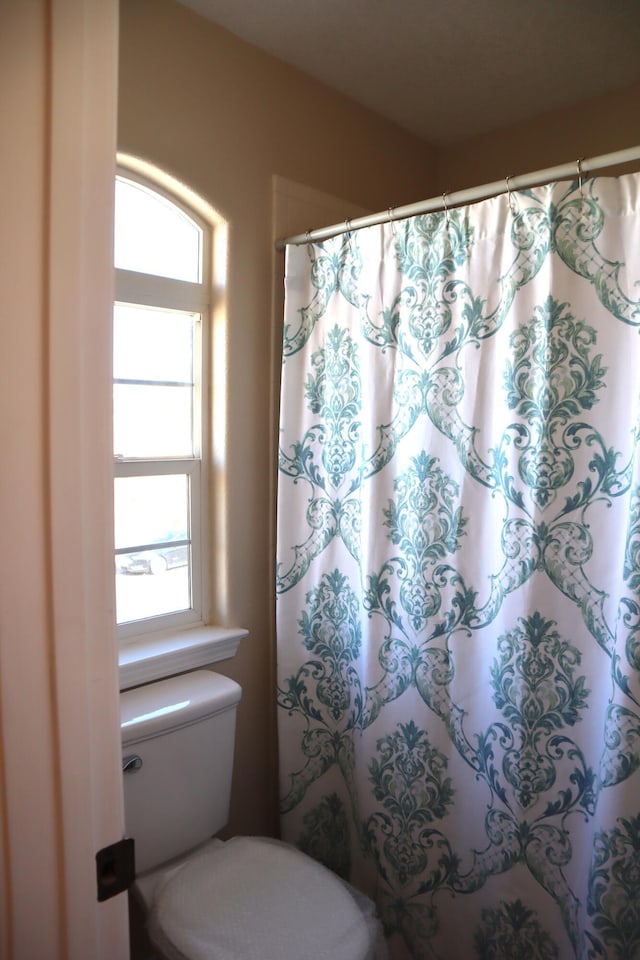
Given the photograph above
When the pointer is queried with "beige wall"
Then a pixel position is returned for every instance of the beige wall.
(223, 117)
(597, 126)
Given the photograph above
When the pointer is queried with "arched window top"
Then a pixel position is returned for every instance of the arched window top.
(153, 235)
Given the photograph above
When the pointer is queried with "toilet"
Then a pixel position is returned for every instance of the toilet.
(248, 898)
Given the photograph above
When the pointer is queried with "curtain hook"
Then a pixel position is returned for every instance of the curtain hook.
(307, 236)
(579, 166)
(446, 208)
(392, 221)
(348, 235)
(512, 202)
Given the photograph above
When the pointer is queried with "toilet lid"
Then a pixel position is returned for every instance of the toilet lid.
(257, 899)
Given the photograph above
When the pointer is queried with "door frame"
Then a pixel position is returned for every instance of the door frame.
(60, 776)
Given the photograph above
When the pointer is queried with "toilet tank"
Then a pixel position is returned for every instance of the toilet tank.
(180, 735)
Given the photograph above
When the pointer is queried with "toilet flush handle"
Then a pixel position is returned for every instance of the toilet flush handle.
(131, 763)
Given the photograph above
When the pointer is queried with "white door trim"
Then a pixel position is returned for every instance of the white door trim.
(61, 793)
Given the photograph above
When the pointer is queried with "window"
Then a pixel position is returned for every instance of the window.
(162, 259)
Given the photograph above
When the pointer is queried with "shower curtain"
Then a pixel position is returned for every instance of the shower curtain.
(458, 572)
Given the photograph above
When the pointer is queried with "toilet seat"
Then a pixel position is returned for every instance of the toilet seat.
(256, 898)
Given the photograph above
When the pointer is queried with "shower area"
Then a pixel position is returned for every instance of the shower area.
(458, 568)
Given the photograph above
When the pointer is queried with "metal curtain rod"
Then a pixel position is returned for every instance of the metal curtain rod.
(578, 169)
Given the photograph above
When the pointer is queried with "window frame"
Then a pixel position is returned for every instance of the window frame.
(149, 290)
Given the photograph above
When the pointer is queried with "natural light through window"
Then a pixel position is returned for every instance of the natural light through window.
(153, 376)
(154, 236)
(161, 307)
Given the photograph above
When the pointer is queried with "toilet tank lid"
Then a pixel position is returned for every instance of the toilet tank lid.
(172, 703)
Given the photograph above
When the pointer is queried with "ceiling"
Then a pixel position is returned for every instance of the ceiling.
(447, 69)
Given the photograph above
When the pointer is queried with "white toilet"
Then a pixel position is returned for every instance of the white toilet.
(249, 898)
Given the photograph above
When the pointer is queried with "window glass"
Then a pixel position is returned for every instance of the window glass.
(156, 583)
(152, 580)
(153, 235)
(151, 509)
(153, 391)
(152, 421)
(153, 344)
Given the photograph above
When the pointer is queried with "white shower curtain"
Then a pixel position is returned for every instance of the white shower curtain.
(458, 576)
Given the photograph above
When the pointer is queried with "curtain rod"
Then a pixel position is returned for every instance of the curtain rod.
(577, 169)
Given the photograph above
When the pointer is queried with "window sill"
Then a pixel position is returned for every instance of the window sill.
(164, 654)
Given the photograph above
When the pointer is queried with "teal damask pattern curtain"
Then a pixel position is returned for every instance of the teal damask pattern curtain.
(458, 576)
